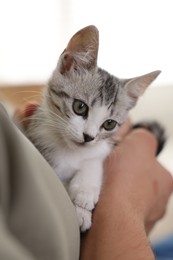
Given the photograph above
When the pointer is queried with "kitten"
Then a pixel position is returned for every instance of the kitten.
(82, 108)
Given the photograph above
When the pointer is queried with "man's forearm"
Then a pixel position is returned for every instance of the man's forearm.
(116, 233)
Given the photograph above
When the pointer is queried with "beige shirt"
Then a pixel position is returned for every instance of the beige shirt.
(37, 219)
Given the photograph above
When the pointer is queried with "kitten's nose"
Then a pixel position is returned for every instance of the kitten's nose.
(87, 138)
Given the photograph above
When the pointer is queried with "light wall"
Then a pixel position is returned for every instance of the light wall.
(135, 36)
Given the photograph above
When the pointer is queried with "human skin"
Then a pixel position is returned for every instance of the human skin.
(134, 196)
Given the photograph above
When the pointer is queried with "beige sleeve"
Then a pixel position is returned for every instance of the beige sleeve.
(37, 219)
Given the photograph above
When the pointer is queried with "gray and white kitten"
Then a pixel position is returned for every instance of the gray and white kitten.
(83, 106)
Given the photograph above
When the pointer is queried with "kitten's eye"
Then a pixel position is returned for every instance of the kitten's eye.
(109, 124)
(80, 108)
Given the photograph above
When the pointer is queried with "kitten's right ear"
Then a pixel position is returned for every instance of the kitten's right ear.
(81, 51)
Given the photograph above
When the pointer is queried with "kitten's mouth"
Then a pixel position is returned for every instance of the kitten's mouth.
(80, 144)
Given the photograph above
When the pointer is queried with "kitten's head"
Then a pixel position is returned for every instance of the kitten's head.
(87, 102)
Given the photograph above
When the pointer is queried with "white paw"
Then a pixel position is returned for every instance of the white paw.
(84, 199)
(84, 202)
(84, 218)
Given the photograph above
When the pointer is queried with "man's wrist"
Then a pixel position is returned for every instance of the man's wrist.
(116, 233)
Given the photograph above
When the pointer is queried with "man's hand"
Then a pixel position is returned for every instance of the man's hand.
(22, 115)
(134, 196)
(138, 177)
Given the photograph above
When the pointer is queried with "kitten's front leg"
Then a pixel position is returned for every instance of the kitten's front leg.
(84, 190)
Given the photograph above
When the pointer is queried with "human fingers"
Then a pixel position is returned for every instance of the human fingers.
(163, 188)
(137, 147)
(132, 172)
(160, 185)
(22, 114)
(124, 129)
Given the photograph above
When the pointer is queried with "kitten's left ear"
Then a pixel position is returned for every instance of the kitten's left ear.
(81, 51)
(135, 87)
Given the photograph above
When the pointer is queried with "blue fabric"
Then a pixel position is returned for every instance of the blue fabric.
(164, 249)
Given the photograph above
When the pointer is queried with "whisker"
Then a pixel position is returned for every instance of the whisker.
(31, 98)
(53, 115)
(48, 123)
(52, 121)
(28, 91)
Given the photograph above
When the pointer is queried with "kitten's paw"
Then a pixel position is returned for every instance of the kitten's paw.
(84, 218)
(84, 199)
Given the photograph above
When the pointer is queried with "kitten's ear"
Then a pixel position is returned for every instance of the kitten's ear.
(81, 51)
(135, 87)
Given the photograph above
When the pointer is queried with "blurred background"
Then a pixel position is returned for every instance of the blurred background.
(135, 38)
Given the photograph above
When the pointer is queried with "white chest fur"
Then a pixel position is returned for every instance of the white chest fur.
(81, 171)
(67, 162)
